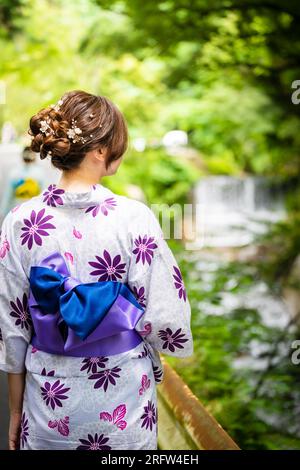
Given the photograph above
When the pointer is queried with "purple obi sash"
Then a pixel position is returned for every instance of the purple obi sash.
(82, 320)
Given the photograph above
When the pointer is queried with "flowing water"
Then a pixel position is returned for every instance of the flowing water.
(235, 211)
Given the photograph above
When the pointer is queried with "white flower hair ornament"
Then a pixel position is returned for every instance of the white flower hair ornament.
(45, 128)
(74, 133)
(57, 106)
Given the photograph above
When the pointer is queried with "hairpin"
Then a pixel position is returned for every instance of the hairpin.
(92, 115)
(57, 106)
(45, 128)
(74, 133)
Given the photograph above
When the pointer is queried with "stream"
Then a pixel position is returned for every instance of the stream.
(235, 211)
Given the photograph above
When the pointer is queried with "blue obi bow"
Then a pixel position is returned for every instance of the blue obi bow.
(68, 314)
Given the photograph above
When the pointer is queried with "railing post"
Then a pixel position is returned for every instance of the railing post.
(184, 423)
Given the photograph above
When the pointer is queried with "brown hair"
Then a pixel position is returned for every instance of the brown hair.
(101, 122)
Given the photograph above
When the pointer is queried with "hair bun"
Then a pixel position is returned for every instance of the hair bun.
(49, 135)
(79, 123)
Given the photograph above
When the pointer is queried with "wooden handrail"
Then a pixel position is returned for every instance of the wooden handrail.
(184, 423)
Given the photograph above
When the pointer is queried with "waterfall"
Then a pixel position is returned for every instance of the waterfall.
(233, 210)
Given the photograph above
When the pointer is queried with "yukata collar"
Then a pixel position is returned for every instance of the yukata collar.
(55, 196)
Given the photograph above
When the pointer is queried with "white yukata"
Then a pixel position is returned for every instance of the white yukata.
(91, 403)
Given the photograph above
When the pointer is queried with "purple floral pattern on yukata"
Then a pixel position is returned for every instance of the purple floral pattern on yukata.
(144, 249)
(144, 353)
(105, 378)
(62, 425)
(116, 418)
(147, 329)
(53, 394)
(157, 372)
(179, 284)
(23, 430)
(149, 416)
(94, 443)
(172, 340)
(4, 248)
(35, 228)
(140, 296)
(48, 374)
(107, 268)
(52, 196)
(77, 234)
(145, 384)
(105, 206)
(91, 364)
(20, 311)
(69, 257)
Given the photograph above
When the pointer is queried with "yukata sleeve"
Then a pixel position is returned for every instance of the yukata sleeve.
(15, 321)
(156, 280)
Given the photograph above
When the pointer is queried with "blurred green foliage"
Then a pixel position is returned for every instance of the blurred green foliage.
(224, 74)
(162, 178)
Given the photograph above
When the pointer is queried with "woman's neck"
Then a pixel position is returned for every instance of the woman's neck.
(73, 182)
